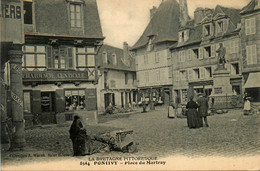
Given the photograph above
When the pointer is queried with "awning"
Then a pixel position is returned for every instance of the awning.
(253, 80)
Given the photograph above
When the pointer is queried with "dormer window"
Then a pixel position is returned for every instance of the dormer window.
(220, 26)
(183, 36)
(104, 57)
(150, 44)
(75, 13)
(114, 59)
(207, 30)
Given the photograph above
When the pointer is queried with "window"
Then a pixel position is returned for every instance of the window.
(146, 59)
(34, 56)
(207, 30)
(27, 5)
(184, 93)
(196, 73)
(183, 75)
(182, 56)
(114, 58)
(251, 55)
(250, 26)
(207, 51)
(181, 36)
(150, 44)
(104, 57)
(157, 76)
(147, 77)
(62, 58)
(234, 46)
(220, 26)
(27, 102)
(157, 55)
(196, 53)
(208, 72)
(234, 69)
(105, 79)
(75, 15)
(126, 78)
(85, 57)
(75, 99)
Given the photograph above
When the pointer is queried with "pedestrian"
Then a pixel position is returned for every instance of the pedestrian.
(247, 106)
(203, 109)
(78, 136)
(192, 114)
(171, 111)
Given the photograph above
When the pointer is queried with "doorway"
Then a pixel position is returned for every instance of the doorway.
(48, 108)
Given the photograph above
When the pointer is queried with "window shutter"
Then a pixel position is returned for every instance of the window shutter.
(49, 57)
(213, 50)
(211, 30)
(177, 75)
(248, 55)
(252, 25)
(190, 74)
(70, 58)
(36, 102)
(180, 37)
(202, 73)
(247, 27)
(170, 72)
(201, 51)
(186, 35)
(254, 56)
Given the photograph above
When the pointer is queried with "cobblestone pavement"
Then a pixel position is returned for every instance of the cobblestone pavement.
(231, 134)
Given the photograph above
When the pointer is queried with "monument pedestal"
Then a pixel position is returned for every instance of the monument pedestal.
(222, 89)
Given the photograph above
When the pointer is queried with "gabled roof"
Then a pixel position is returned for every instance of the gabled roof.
(233, 14)
(251, 7)
(164, 25)
(110, 50)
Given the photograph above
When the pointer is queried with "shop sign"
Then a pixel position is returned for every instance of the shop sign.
(55, 76)
(11, 21)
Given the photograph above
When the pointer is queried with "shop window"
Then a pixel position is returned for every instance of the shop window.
(184, 96)
(26, 102)
(234, 70)
(85, 57)
(236, 90)
(75, 16)
(27, 5)
(75, 99)
(34, 56)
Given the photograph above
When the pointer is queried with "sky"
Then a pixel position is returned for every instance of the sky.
(126, 20)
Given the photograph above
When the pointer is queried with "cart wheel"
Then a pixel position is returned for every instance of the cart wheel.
(131, 148)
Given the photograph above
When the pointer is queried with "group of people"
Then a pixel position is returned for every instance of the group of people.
(197, 112)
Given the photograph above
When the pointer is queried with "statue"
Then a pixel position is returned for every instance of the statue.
(221, 55)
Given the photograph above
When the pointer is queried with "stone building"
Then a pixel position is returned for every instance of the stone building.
(118, 78)
(250, 42)
(194, 56)
(59, 72)
(153, 58)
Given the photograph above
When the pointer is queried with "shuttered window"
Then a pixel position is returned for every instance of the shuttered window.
(250, 26)
(251, 56)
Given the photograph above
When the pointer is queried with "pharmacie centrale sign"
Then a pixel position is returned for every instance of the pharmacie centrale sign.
(11, 21)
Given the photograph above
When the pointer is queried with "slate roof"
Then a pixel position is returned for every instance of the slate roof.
(251, 7)
(195, 32)
(164, 24)
(110, 50)
(52, 18)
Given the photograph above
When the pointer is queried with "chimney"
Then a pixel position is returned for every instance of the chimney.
(201, 13)
(125, 50)
(152, 12)
(184, 16)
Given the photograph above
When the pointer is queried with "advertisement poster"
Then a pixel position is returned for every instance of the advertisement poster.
(130, 84)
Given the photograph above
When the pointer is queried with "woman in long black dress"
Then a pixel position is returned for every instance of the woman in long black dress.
(78, 136)
(192, 114)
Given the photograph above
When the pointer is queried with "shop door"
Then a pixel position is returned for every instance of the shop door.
(107, 100)
(48, 108)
